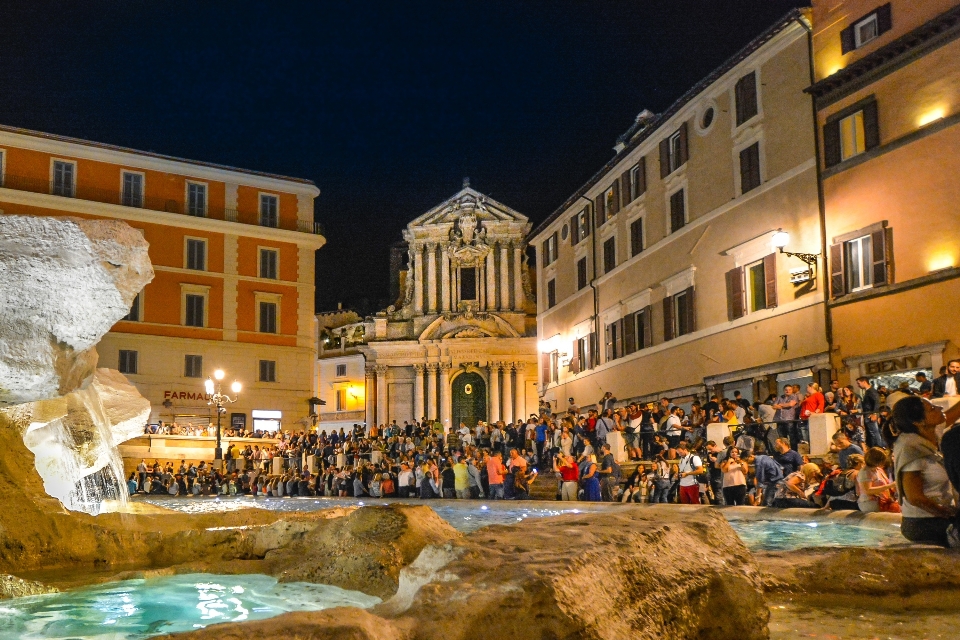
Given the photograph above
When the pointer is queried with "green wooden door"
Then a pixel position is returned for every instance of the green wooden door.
(469, 400)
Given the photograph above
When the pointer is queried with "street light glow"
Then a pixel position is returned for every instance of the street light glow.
(235, 387)
(780, 239)
(208, 385)
(218, 374)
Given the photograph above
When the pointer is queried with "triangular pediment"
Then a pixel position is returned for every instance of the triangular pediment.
(466, 201)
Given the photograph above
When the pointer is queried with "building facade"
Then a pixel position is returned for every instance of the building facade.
(887, 95)
(341, 385)
(461, 345)
(233, 252)
(659, 276)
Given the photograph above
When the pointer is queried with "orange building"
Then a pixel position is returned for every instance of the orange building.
(887, 95)
(233, 251)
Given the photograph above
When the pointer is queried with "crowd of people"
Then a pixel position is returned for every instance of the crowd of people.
(885, 457)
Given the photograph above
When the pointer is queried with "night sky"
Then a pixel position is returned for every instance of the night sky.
(385, 105)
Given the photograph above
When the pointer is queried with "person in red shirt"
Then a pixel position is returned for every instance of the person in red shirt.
(813, 403)
(569, 472)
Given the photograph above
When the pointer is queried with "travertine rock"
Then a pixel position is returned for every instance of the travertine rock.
(63, 283)
(14, 587)
(342, 623)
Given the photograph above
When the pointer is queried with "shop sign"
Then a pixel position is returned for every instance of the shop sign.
(890, 365)
(186, 395)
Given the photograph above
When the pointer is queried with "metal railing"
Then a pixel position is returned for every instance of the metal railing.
(140, 201)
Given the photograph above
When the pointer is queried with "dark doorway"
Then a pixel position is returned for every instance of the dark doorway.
(469, 400)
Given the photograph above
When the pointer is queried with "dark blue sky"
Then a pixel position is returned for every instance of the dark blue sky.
(385, 105)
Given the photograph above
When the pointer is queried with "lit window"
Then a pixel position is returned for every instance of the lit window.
(866, 30)
(852, 137)
(756, 286)
(859, 262)
(341, 398)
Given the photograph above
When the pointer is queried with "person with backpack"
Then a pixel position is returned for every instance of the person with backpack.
(662, 479)
(690, 467)
(610, 473)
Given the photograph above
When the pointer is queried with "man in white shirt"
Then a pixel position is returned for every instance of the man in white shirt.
(949, 383)
(690, 467)
(671, 428)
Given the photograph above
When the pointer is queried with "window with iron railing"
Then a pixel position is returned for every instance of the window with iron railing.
(63, 178)
(269, 211)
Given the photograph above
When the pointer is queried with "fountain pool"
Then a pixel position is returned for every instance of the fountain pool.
(763, 534)
(132, 609)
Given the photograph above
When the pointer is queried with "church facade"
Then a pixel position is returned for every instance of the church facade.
(460, 344)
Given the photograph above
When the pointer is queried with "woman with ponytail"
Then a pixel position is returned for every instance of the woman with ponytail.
(929, 508)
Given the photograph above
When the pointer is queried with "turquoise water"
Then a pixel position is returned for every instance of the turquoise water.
(132, 609)
(468, 516)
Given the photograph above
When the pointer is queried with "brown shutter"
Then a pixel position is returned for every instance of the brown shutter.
(668, 318)
(544, 368)
(575, 357)
(837, 281)
(871, 126)
(665, 157)
(691, 311)
(735, 293)
(629, 333)
(625, 188)
(616, 198)
(847, 41)
(884, 19)
(642, 176)
(592, 357)
(831, 143)
(599, 211)
(574, 230)
(684, 150)
(770, 277)
(648, 327)
(878, 241)
(544, 258)
(618, 344)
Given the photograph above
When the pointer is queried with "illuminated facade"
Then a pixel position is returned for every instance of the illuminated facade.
(233, 251)
(888, 109)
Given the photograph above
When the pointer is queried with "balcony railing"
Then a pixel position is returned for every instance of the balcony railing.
(138, 201)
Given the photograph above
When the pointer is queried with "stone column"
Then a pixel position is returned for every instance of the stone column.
(446, 401)
(481, 286)
(507, 415)
(418, 370)
(371, 390)
(417, 275)
(382, 413)
(490, 278)
(445, 279)
(520, 397)
(431, 278)
(432, 391)
(517, 277)
(494, 387)
(504, 277)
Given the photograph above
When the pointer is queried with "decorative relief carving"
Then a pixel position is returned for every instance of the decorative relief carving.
(370, 371)
(380, 369)
(419, 368)
(432, 367)
(468, 241)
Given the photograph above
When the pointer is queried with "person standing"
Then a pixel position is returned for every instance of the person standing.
(870, 406)
(540, 440)
(607, 402)
(734, 479)
(787, 406)
(495, 473)
(767, 473)
(566, 467)
(690, 467)
(812, 404)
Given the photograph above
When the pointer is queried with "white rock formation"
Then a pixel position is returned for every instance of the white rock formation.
(63, 283)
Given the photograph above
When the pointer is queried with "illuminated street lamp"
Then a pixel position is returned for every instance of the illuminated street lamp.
(219, 400)
(780, 240)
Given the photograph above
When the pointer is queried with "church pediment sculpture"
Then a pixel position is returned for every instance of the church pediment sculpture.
(468, 240)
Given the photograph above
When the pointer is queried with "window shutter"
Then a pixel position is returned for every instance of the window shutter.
(618, 338)
(616, 198)
(608, 342)
(847, 41)
(665, 157)
(879, 241)
(647, 327)
(871, 126)
(668, 318)
(575, 357)
(574, 230)
(831, 143)
(544, 368)
(636, 236)
(642, 176)
(837, 281)
(691, 311)
(593, 356)
(684, 151)
(625, 188)
(884, 19)
(629, 333)
(770, 277)
(735, 293)
(599, 211)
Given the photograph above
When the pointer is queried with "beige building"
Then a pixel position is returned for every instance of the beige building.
(460, 345)
(659, 276)
(340, 377)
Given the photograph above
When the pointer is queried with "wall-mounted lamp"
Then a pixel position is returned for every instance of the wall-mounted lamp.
(780, 240)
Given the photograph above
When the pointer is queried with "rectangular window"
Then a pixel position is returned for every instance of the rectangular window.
(745, 93)
(268, 371)
(636, 237)
(468, 283)
(678, 211)
(193, 366)
(683, 307)
(551, 294)
(132, 195)
(642, 327)
(750, 168)
(866, 29)
(134, 314)
(852, 136)
(554, 367)
(550, 250)
(638, 180)
(127, 362)
(341, 400)
(196, 254)
(609, 254)
(64, 178)
(756, 286)
(269, 262)
(610, 204)
(269, 207)
(851, 132)
(675, 152)
(341, 370)
(580, 227)
(268, 317)
(581, 273)
(197, 199)
(194, 315)
(859, 261)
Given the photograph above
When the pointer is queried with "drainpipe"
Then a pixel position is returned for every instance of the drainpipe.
(821, 200)
(593, 280)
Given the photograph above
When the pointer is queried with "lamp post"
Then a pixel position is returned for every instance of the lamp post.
(780, 240)
(219, 400)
